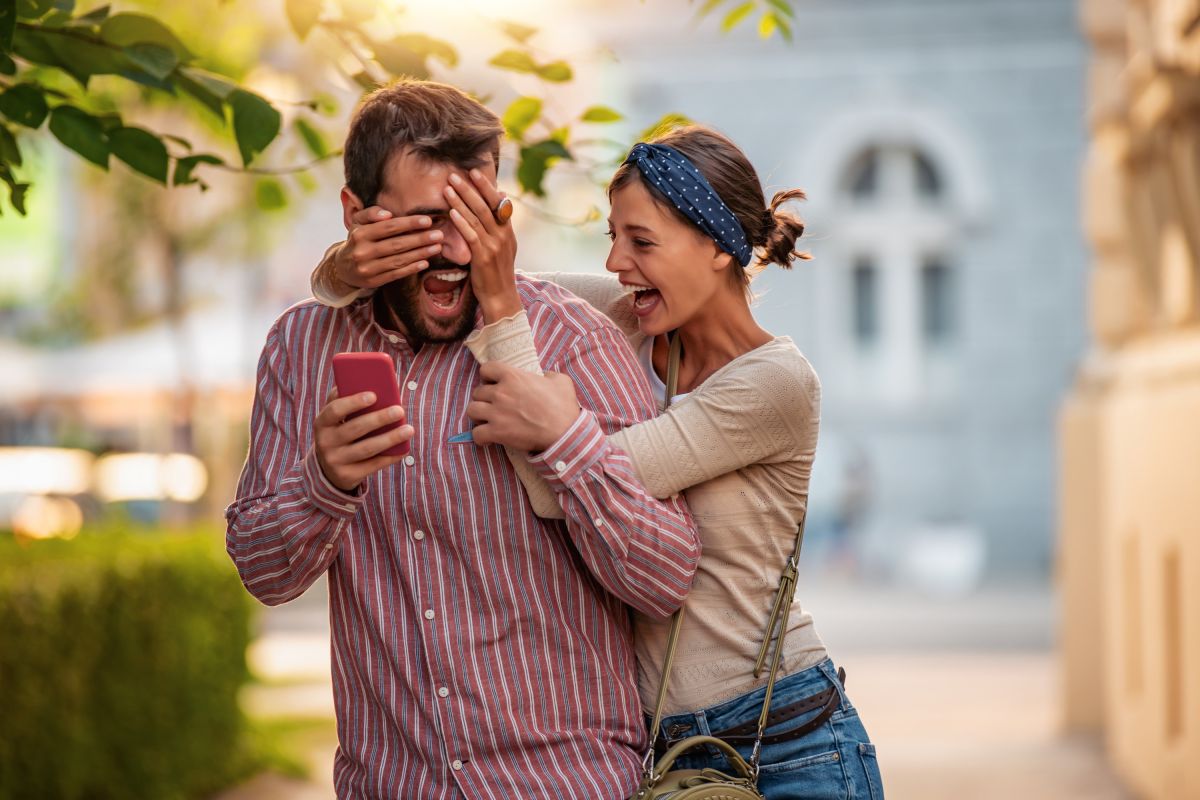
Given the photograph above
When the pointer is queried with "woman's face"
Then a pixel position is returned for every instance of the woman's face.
(673, 267)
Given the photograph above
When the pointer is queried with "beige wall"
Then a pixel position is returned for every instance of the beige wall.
(1130, 429)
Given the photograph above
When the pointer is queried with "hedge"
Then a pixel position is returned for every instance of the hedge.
(121, 657)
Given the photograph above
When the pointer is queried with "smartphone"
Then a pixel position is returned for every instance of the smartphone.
(370, 372)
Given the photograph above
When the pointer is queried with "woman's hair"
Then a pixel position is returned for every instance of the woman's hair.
(770, 229)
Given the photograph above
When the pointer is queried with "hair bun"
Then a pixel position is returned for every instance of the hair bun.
(783, 229)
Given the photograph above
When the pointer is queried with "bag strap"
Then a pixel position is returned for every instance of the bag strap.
(776, 622)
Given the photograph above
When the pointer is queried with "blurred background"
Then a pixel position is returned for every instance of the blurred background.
(1003, 307)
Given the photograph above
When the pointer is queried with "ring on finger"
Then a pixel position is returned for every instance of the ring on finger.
(503, 210)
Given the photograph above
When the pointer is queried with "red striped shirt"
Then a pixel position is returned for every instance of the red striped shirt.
(478, 651)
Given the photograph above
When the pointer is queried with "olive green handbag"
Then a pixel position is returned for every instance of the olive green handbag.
(659, 781)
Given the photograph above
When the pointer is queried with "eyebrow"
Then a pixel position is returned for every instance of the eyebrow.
(429, 211)
(629, 226)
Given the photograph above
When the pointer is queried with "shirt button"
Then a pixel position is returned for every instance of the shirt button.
(412, 385)
(443, 692)
(560, 467)
(418, 535)
(329, 546)
(409, 461)
(456, 765)
(429, 613)
(393, 338)
(597, 522)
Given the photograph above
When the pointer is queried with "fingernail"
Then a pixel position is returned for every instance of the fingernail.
(476, 174)
(394, 412)
(455, 179)
(436, 236)
(368, 397)
(434, 248)
(422, 264)
(381, 213)
(424, 222)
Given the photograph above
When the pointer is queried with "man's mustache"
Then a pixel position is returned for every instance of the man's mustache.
(442, 263)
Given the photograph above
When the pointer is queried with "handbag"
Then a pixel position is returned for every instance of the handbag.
(659, 781)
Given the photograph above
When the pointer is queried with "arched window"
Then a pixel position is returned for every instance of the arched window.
(901, 293)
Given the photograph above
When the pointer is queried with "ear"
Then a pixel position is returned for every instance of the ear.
(351, 205)
(721, 261)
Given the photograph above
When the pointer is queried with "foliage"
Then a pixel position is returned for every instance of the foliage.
(41, 40)
(121, 657)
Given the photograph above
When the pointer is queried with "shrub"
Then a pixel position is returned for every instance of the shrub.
(121, 657)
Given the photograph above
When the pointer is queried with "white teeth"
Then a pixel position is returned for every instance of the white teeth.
(457, 275)
(454, 295)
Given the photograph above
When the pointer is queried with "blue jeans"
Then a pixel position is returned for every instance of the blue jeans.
(834, 762)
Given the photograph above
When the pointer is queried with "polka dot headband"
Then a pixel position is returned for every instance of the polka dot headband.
(670, 171)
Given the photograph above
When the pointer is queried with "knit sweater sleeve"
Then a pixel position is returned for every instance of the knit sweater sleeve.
(763, 409)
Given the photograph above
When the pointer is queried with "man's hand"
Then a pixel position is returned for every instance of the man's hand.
(345, 460)
(493, 244)
(521, 409)
(381, 248)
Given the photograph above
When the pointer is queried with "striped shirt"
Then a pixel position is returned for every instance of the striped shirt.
(478, 650)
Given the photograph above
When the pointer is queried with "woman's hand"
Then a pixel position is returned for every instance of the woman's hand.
(522, 409)
(381, 248)
(493, 244)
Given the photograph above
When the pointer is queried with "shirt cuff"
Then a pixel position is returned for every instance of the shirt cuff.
(324, 495)
(565, 461)
(509, 341)
(324, 295)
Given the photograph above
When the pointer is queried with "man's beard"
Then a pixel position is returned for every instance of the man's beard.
(403, 298)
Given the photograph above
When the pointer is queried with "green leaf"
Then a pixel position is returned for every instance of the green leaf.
(7, 65)
(520, 114)
(303, 15)
(184, 167)
(514, 60)
(429, 47)
(94, 17)
(735, 17)
(179, 140)
(65, 6)
(16, 191)
(270, 194)
(785, 27)
(24, 105)
(601, 114)
(708, 7)
(80, 132)
(557, 71)
(535, 160)
(255, 123)
(8, 25)
(155, 59)
(31, 45)
(127, 29)
(210, 89)
(767, 25)
(141, 150)
(550, 148)
(665, 123)
(783, 7)
(33, 9)
(312, 137)
(10, 153)
(516, 31)
(83, 59)
(399, 59)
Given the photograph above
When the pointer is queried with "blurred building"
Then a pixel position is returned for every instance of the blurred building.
(1130, 529)
(940, 144)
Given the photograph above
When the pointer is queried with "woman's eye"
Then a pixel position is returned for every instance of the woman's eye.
(612, 235)
(643, 243)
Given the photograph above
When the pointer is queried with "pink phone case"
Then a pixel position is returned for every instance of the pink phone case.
(370, 372)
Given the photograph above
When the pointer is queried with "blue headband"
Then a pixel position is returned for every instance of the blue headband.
(676, 177)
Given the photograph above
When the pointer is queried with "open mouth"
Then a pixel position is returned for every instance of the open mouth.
(645, 300)
(444, 290)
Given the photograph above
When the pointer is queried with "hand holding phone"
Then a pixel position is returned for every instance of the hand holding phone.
(362, 431)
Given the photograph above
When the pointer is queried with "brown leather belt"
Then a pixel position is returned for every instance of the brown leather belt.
(828, 701)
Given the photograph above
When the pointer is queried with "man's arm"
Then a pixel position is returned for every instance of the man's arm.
(643, 550)
(286, 524)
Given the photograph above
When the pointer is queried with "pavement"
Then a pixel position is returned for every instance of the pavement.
(960, 694)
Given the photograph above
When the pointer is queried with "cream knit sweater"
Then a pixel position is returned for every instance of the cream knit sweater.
(740, 447)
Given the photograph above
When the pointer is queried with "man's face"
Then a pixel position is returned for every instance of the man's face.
(436, 304)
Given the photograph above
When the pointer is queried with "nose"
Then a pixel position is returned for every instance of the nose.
(454, 247)
(616, 262)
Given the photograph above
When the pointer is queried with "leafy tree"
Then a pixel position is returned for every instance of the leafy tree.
(51, 54)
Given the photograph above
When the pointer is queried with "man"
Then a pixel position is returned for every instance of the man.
(478, 650)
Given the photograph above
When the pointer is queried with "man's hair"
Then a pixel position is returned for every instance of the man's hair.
(432, 120)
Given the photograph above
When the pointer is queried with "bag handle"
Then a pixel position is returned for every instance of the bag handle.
(735, 758)
(777, 624)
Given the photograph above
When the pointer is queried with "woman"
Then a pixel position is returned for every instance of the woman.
(737, 438)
